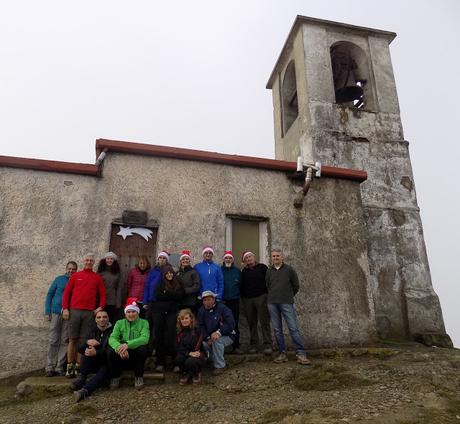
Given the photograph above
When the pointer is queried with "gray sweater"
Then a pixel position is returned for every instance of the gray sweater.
(111, 283)
(282, 284)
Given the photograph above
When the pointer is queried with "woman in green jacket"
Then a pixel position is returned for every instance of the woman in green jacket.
(128, 346)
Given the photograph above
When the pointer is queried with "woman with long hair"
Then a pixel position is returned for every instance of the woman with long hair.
(189, 350)
(109, 270)
(191, 282)
(168, 295)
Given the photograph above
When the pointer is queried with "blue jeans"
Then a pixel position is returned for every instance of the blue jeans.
(216, 350)
(278, 311)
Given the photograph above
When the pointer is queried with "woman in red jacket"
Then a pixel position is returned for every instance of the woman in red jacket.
(136, 282)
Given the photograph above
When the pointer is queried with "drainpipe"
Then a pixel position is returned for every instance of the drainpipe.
(298, 202)
(99, 161)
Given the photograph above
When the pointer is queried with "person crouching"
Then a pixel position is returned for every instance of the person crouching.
(128, 346)
(189, 352)
(93, 359)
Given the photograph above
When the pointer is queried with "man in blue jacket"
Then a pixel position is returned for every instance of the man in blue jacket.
(210, 273)
(151, 282)
(58, 330)
(217, 328)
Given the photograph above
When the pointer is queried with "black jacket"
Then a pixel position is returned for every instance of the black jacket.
(102, 337)
(167, 301)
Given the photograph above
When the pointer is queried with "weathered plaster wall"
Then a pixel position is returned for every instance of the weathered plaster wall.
(47, 219)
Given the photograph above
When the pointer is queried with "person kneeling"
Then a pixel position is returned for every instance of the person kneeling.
(217, 328)
(94, 358)
(128, 346)
(189, 353)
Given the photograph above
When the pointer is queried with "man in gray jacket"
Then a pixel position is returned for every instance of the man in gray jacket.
(282, 285)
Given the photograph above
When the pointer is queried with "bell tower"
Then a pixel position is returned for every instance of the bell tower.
(335, 101)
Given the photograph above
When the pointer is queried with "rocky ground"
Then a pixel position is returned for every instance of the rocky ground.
(410, 384)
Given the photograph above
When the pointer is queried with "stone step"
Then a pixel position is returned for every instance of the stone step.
(34, 388)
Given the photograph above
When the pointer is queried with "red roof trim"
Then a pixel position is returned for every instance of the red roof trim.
(205, 156)
(173, 153)
(49, 165)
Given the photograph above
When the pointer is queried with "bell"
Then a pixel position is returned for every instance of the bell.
(348, 94)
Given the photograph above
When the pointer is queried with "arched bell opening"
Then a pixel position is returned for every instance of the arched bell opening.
(350, 72)
(290, 106)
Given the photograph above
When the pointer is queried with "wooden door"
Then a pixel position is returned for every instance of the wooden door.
(129, 242)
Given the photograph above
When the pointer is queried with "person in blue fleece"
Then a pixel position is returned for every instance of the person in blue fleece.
(210, 273)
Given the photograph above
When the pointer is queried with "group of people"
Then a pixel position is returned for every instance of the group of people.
(190, 315)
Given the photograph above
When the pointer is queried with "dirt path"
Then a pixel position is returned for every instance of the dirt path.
(420, 385)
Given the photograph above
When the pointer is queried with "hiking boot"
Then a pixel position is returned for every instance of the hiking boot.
(303, 360)
(218, 371)
(184, 379)
(160, 368)
(268, 350)
(80, 395)
(70, 371)
(114, 383)
(138, 383)
(50, 373)
(197, 379)
(59, 372)
(77, 369)
(282, 357)
(78, 383)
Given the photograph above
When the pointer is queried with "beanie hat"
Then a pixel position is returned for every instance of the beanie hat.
(185, 254)
(228, 253)
(208, 249)
(131, 305)
(246, 253)
(111, 255)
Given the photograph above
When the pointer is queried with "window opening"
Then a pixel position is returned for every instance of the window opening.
(290, 106)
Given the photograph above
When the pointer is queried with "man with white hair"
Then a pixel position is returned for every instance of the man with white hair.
(283, 285)
(83, 298)
(210, 273)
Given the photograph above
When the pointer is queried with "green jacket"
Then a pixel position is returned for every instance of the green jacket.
(134, 333)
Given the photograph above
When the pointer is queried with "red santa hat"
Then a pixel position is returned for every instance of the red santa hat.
(185, 254)
(228, 254)
(131, 305)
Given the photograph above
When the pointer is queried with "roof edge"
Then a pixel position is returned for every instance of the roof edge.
(221, 158)
(307, 19)
(49, 165)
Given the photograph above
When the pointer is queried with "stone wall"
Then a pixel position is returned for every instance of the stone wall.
(49, 218)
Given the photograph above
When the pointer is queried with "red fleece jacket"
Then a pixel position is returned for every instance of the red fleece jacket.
(82, 290)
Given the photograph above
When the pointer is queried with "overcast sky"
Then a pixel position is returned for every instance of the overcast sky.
(193, 73)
